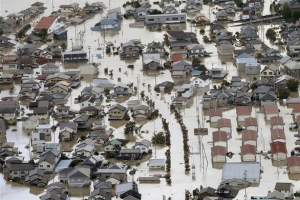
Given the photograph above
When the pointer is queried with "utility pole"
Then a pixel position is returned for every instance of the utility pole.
(89, 47)
(199, 137)
(137, 86)
(75, 36)
(52, 7)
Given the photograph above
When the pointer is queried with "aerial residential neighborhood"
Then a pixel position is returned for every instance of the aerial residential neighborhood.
(143, 100)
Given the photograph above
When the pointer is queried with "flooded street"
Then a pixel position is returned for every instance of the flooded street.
(206, 175)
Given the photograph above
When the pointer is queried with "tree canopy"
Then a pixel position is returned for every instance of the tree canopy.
(292, 85)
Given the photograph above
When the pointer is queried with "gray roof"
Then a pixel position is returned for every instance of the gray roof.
(102, 185)
(156, 162)
(237, 169)
(118, 106)
(283, 186)
(79, 173)
(48, 158)
(21, 166)
(144, 142)
(71, 125)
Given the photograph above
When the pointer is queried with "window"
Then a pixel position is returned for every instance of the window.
(22, 172)
(270, 73)
(48, 165)
(265, 73)
(41, 165)
(174, 18)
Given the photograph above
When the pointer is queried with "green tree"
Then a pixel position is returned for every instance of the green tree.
(130, 127)
(283, 93)
(271, 35)
(292, 85)
(286, 11)
(159, 138)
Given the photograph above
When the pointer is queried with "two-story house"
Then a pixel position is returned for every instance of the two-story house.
(122, 89)
(68, 9)
(10, 63)
(129, 51)
(144, 146)
(49, 24)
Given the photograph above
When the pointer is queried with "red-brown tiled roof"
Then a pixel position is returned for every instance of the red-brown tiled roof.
(224, 123)
(219, 136)
(293, 161)
(215, 112)
(175, 58)
(45, 23)
(9, 59)
(249, 135)
(243, 110)
(277, 133)
(277, 120)
(218, 151)
(278, 147)
(248, 149)
(298, 119)
(296, 108)
(271, 109)
(251, 121)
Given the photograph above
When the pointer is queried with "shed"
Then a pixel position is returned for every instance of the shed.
(249, 137)
(271, 111)
(218, 154)
(293, 165)
(278, 135)
(248, 171)
(215, 114)
(286, 188)
(224, 124)
(251, 123)
(156, 163)
(243, 112)
(152, 179)
(219, 138)
(248, 153)
(277, 122)
(279, 151)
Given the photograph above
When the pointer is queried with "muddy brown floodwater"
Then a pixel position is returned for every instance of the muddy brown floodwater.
(206, 175)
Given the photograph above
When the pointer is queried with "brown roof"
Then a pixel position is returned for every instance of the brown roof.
(248, 149)
(277, 133)
(293, 161)
(175, 58)
(277, 120)
(219, 136)
(271, 109)
(296, 108)
(243, 110)
(298, 119)
(283, 186)
(215, 112)
(251, 121)
(45, 23)
(218, 151)
(249, 135)
(9, 59)
(224, 123)
(278, 147)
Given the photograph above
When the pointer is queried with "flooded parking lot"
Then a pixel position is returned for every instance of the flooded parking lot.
(207, 174)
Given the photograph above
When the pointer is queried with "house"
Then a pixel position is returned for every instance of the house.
(50, 24)
(100, 136)
(117, 111)
(151, 61)
(6, 78)
(114, 13)
(195, 50)
(215, 114)
(60, 34)
(124, 187)
(31, 122)
(41, 112)
(292, 68)
(53, 79)
(20, 170)
(129, 154)
(170, 9)
(296, 110)
(186, 90)
(156, 47)
(47, 163)
(36, 139)
(68, 9)
(88, 100)
(217, 73)
(67, 134)
(201, 81)
(252, 68)
(238, 52)
(275, 195)
(244, 59)
(225, 191)
(221, 15)
(277, 122)
(122, 89)
(105, 186)
(224, 124)
(144, 146)
(252, 170)
(219, 138)
(83, 122)
(165, 18)
(8, 25)
(293, 164)
(107, 24)
(10, 63)
(251, 123)
(249, 137)
(131, 194)
(200, 18)
(180, 101)
(156, 163)
(281, 82)
(269, 98)
(8, 109)
(142, 112)
(44, 128)
(218, 154)
(248, 153)
(26, 62)
(243, 112)
(2, 131)
(79, 177)
(90, 110)
(279, 151)
(112, 146)
(116, 169)
(206, 192)
(85, 150)
(99, 194)
(225, 48)
(129, 51)
(37, 177)
(93, 162)
(181, 68)
(50, 68)
(278, 135)
(271, 111)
